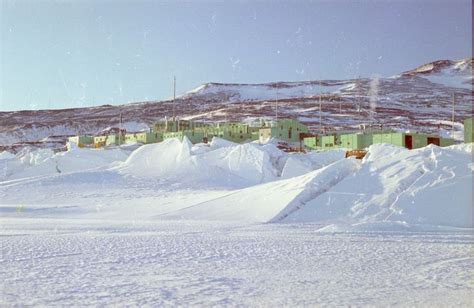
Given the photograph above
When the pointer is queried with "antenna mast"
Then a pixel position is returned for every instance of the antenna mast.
(452, 119)
(276, 105)
(120, 129)
(320, 109)
(359, 105)
(174, 97)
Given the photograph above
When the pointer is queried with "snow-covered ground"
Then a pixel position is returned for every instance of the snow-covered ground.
(51, 262)
(228, 224)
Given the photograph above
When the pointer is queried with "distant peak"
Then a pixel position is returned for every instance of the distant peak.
(440, 65)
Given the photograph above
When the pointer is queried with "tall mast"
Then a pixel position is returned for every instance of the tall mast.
(452, 119)
(359, 107)
(276, 105)
(120, 129)
(359, 104)
(320, 109)
(174, 97)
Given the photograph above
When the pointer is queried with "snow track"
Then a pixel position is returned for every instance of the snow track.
(88, 263)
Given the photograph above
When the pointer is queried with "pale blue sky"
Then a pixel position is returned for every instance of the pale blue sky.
(64, 54)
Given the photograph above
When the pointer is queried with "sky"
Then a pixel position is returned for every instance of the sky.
(67, 54)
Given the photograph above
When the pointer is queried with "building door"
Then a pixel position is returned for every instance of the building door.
(408, 142)
(433, 140)
(289, 133)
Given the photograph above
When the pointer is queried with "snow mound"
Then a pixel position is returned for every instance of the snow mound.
(391, 189)
(160, 159)
(221, 162)
(421, 189)
(271, 201)
(42, 162)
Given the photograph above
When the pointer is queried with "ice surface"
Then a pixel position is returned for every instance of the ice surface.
(175, 224)
(424, 189)
(60, 262)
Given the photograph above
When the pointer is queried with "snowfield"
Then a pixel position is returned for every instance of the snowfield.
(48, 262)
(237, 224)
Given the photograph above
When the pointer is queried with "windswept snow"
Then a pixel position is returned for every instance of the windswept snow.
(51, 262)
(418, 189)
(176, 224)
(424, 189)
(42, 162)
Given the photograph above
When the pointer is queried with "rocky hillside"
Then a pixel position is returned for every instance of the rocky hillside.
(420, 99)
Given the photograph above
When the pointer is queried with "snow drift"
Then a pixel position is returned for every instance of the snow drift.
(422, 188)
(42, 162)
(390, 189)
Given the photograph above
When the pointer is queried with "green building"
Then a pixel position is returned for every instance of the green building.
(357, 141)
(312, 143)
(144, 137)
(360, 141)
(235, 132)
(195, 136)
(411, 140)
(288, 130)
(329, 142)
(114, 139)
(82, 141)
(468, 135)
(177, 125)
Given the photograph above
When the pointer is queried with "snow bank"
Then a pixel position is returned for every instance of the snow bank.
(419, 189)
(392, 188)
(161, 159)
(272, 201)
(41, 162)
(238, 165)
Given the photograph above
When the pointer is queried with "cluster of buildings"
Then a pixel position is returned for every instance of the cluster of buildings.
(287, 130)
(294, 136)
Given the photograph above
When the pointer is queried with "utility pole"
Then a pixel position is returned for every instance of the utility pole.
(174, 97)
(452, 119)
(320, 109)
(120, 129)
(276, 106)
(359, 106)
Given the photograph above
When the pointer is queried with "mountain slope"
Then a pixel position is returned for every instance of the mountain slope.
(419, 99)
